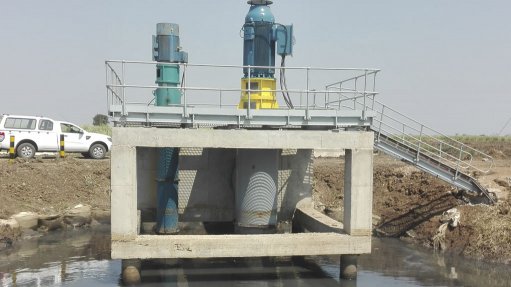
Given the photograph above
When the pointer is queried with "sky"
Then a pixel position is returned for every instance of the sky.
(445, 63)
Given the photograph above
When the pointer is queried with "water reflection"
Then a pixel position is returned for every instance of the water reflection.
(258, 272)
(82, 258)
(397, 259)
(58, 257)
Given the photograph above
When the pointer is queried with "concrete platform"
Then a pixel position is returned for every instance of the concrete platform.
(206, 197)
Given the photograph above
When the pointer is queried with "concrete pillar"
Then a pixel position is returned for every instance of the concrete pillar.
(124, 217)
(131, 272)
(358, 192)
(349, 267)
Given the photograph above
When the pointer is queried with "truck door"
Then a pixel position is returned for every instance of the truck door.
(74, 140)
(47, 139)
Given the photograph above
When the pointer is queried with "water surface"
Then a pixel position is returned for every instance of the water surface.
(82, 258)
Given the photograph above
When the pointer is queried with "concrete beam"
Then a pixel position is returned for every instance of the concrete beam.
(218, 246)
(249, 139)
(358, 192)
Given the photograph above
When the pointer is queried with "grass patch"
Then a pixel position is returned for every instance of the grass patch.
(482, 139)
(103, 129)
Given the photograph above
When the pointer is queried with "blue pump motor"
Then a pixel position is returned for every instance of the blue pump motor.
(261, 34)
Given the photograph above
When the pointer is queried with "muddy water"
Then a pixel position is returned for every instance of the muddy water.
(82, 258)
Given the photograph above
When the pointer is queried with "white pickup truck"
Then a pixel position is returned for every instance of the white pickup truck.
(39, 134)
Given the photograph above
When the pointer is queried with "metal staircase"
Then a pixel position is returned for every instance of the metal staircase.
(412, 142)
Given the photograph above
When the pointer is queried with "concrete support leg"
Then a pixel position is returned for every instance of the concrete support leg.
(349, 267)
(131, 271)
(124, 193)
(358, 192)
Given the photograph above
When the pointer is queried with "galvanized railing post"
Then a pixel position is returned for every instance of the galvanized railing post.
(381, 121)
(123, 88)
(307, 117)
(107, 94)
(355, 95)
(340, 95)
(365, 89)
(417, 157)
(327, 98)
(249, 89)
(374, 89)
(185, 99)
(403, 133)
(458, 163)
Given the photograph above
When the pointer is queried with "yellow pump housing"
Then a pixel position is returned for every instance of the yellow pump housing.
(262, 94)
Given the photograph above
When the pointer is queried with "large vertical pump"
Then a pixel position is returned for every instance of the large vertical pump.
(262, 38)
(166, 49)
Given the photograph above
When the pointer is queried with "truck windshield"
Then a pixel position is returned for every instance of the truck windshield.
(67, 128)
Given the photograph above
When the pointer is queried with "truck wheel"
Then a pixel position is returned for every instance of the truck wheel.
(97, 151)
(26, 150)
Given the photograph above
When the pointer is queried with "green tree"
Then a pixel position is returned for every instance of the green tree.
(100, 120)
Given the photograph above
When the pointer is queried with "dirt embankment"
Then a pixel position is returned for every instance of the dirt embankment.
(49, 186)
(409, 205)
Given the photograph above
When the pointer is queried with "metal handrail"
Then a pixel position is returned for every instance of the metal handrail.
(374, 71)
(117, 85)
(383, 114)
(233, 89)
(242, 67)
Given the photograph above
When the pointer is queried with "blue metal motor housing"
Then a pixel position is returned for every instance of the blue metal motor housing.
(259, 46)
(261, 34)
(166, 47)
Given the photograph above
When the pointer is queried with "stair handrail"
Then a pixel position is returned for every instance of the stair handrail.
(465, 153)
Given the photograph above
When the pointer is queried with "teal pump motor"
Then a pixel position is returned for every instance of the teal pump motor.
(166, 49)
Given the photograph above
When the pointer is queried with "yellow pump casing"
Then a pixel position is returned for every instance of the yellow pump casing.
(262, 94)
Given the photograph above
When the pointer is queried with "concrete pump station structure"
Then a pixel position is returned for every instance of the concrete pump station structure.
(191, 150)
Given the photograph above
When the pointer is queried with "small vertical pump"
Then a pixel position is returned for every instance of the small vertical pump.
(166, 49)
(262, 38)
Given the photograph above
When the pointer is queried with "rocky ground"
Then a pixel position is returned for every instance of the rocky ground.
(407, 203)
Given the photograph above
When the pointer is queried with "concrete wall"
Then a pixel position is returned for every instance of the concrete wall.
(206, 184)
(207, 180)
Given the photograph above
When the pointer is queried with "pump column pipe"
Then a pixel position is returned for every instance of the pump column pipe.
(166, 50)
(257, 169)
